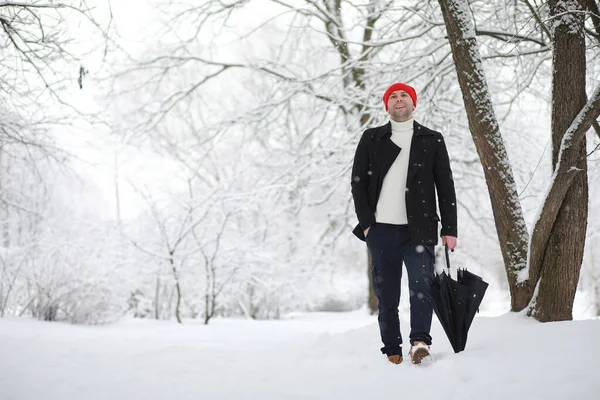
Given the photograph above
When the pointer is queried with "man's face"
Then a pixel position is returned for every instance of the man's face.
(400, 106)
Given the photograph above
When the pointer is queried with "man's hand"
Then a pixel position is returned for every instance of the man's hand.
(367, 232)
(450, 241)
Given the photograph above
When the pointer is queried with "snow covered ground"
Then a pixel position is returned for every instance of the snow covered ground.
(305, 356)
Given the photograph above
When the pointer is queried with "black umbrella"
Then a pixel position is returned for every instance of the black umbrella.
(476, 287)
(456, 302)
(450, 305)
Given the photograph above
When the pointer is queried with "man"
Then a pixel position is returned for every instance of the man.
(397, 169)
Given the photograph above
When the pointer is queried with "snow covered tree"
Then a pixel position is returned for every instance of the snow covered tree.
(293, 89)
(542, 270)
(309, 90)
(560, 264)
(40, 67)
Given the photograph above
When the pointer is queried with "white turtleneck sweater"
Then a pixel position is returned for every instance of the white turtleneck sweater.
(391, 206)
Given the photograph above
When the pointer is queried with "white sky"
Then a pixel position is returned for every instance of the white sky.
(94, 149)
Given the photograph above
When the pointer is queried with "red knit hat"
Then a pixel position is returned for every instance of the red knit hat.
(399, 86)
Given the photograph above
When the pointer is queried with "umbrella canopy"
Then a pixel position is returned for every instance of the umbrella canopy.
(450, 306)
(476, 290)
(456, 302)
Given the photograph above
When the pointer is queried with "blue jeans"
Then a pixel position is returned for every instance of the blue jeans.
(390, 246)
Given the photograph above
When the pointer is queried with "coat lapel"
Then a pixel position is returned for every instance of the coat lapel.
(387, 150)
(416, 152)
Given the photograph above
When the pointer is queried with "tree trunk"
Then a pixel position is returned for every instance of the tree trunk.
(177, 288)
(4, 207)
(117, 190)
(597, 297)
(508, 216)
(563, 253)
(355, 77)
(157, 298)
(372, 301)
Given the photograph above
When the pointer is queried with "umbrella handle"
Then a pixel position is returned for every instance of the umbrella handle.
(447, 259)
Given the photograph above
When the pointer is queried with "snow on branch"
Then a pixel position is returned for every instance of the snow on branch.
(562, 178)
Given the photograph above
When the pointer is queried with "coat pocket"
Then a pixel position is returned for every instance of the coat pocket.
(434, 217)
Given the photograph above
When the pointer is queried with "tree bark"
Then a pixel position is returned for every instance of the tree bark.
(358, 76)
(157, 298)
(177, 288)
(564, 174)
(563, 253)
(597, 297)
(508, 216)
(4, 207)
(372, 301)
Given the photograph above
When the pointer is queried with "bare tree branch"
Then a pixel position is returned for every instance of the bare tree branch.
(538, 18)
(509, 37)
(596, 127)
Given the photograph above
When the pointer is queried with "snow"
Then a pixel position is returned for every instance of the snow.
(304, 356)
(570, 14)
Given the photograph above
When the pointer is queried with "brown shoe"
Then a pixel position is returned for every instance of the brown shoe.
(418, 352)
(395, 359)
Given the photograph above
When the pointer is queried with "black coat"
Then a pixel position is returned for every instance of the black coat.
(428, 166)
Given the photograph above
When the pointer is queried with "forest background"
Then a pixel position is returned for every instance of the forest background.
(176, 159)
